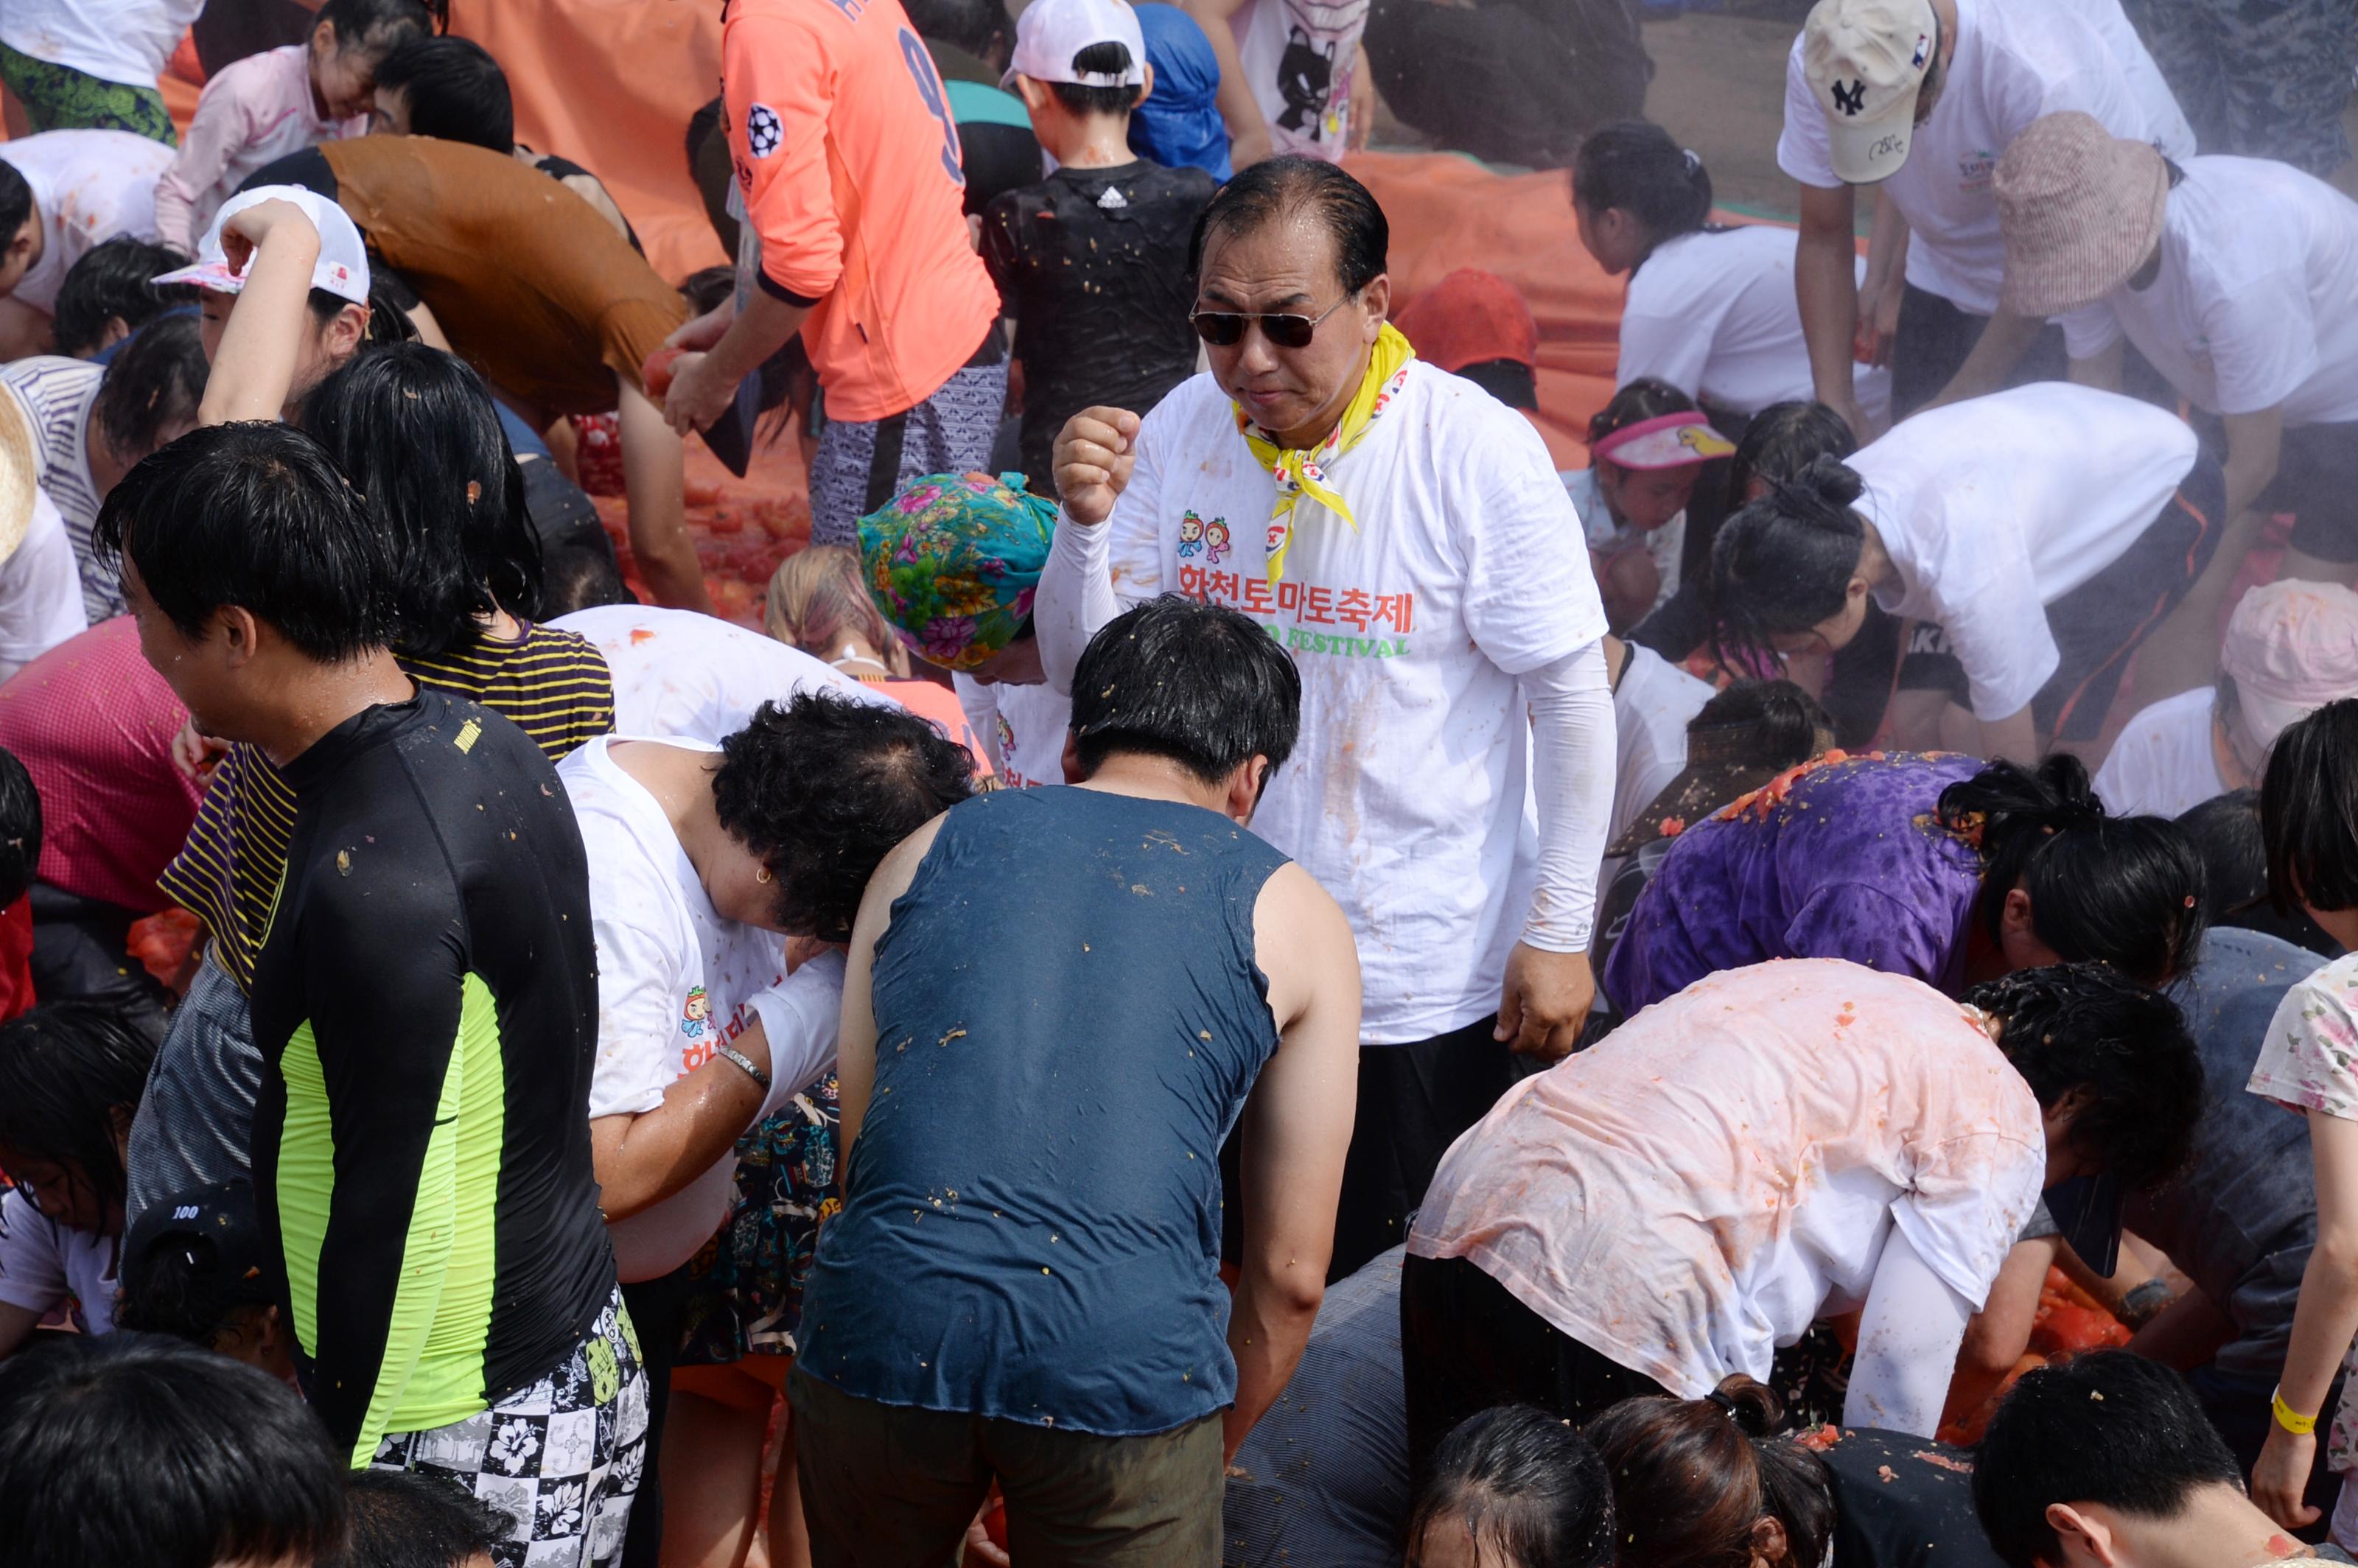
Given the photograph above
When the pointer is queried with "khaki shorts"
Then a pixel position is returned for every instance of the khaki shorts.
(891, 1487)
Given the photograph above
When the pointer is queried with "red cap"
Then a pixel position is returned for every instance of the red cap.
(1470, 318)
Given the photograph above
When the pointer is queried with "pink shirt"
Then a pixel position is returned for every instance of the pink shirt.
(1698, 1188)
(252, 113)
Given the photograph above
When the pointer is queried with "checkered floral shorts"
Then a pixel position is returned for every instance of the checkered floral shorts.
(561, 1458)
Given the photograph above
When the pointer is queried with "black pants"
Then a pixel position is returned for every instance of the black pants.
(1466, 1345)
(1932, 339)
(657, 1307)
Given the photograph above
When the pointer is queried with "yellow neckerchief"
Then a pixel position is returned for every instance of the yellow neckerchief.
(1300, 472)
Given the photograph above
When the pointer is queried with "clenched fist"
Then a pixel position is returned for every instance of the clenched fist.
(1095, 453)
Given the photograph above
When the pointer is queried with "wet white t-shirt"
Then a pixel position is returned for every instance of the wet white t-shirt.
(1652, 705)
(89, 185)
(676, 672)
(675, 979)
(1025, 726)
(1298, 55)
(2166, 760)
(2166, 124)
(43, 1262)
(115, 40)
(1715, 315)
(2256, 300)
(1404, 796)
(2015, 61)
(1995, 508)
(1724, 1169)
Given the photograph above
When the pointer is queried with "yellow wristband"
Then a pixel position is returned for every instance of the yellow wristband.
(2289, 1418)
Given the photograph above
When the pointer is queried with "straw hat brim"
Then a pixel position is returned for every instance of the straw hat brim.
(18, 474)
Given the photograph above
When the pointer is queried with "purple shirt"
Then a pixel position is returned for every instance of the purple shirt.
(1847, 862)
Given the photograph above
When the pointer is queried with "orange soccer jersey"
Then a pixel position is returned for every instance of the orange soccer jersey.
(841, 136)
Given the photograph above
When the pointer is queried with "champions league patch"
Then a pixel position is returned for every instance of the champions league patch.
(762, 130)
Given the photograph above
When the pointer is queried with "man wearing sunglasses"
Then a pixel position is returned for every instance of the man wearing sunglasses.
(1403, 534)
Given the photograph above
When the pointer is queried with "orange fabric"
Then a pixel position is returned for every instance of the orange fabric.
(840, 133)
(533, 288)
(611, 84)
(16, 959)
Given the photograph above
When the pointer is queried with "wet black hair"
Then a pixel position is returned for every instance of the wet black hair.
(155, 380)
(2106, 1427)
(16, 202)
(20, 829)
(67, 1070)
(2225, 833)
(1082, 99)
(255, 513)
(412, 426)
(822, 788)
(2083, 1026)
(1275, 187)
(1524, 1485)
(1783, 564)
(131, 1448)
(1691, 1478)
(1511, 381)
(376, 26)
(1197, 683)
(2308, 810)
(414, 1518)
(1635, 166)
(1782, 726)
(2125, 891)
(975, 26)
(114, 281)
(1783, 439)
(1634, 402)
(576, 574)
(455, 92)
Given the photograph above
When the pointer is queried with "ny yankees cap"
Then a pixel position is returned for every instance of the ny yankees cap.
(1051, 32)
(1865, 61)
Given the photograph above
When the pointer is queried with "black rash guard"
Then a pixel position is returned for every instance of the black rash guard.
(425, 1002)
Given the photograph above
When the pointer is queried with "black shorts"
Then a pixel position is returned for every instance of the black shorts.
(2316, 481)
(2099, 624)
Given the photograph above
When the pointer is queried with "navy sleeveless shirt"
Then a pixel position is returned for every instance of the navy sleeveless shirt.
(1069, 1019)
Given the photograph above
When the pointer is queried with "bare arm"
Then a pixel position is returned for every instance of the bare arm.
(1296, 1129)
(25, 331)
(2322, 1323)
(2101, 370)
(263, 341)
(655, 479)
(1998, 1333)
(1248, 139)
(855, 1061)
(2014, 737)
(1886, 282)
(642, 1160)
(1994, 354)
(703, 383)
(16, 1325)
(1825, 284)
(2186, 1334)
(2254, 447)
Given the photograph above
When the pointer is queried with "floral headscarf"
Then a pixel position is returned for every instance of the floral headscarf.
(953, 560)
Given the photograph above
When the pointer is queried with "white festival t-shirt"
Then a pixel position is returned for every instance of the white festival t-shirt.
(1025, 726)
(1995, 508)
(89, 185)
(1714, 314)
(1724, 1168)
(115, 40)
(2166, 123)
(2166, 760)
(1298, 55)
(1652, 704)
(675, 979)
(676, 672)
(2256, 300)
(42, 1263)
(2015, 61)
(1404, 795)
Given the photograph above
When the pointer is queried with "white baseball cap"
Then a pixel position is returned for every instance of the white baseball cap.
(1865, 60)
(1051, 32)
(342, 269)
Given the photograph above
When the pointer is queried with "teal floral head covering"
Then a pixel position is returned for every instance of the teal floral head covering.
(953, 560)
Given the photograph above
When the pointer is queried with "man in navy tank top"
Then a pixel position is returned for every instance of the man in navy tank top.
(1058, 1004)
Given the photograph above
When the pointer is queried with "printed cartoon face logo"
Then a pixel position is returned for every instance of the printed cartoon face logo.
(1190, 535)
(694, 1014)
(1215, 540)
(1851, 100)
(1305, 75)
(762, 132)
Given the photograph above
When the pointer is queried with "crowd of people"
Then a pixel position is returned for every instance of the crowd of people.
(1245, 971)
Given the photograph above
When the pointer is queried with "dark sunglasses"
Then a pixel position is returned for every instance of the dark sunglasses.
(1226, 329)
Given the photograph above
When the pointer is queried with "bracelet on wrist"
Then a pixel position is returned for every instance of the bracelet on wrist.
(731, 1052)
(2292, 1421)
